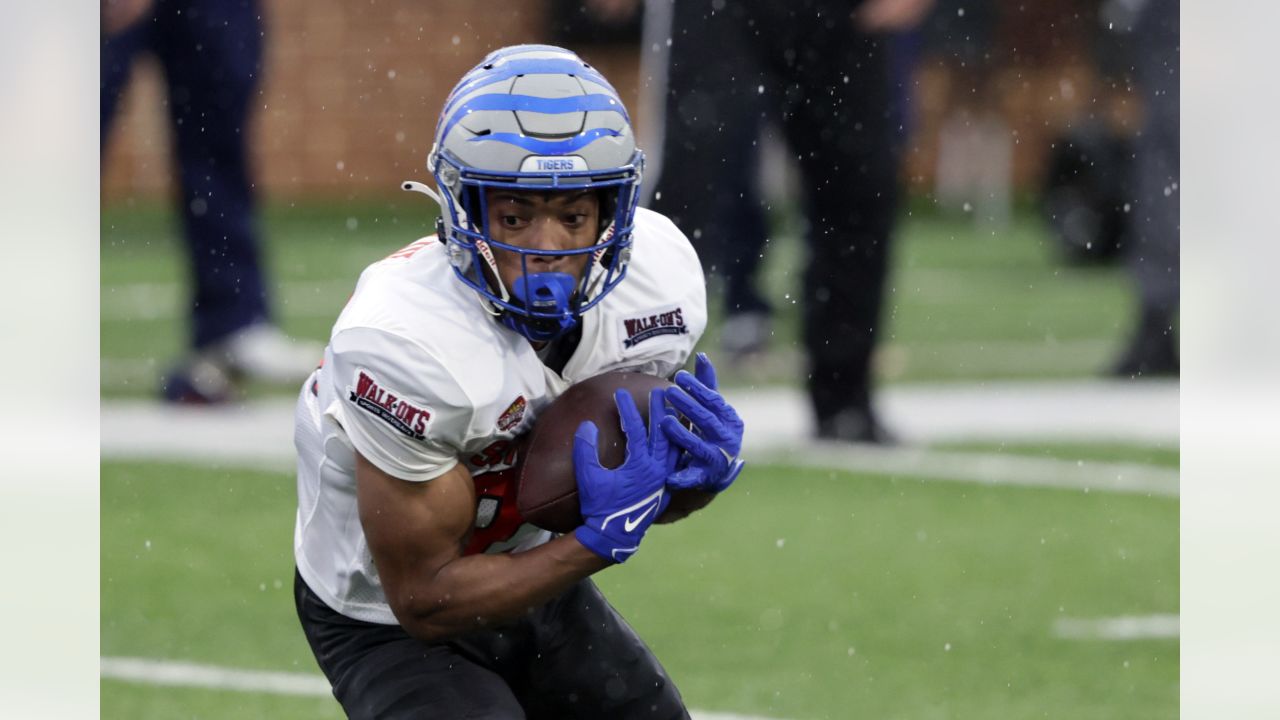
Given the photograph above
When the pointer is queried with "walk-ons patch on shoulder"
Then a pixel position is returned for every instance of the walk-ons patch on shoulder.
(664, 321)
(387, 405)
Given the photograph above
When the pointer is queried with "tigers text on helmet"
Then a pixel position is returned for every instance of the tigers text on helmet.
(535, 117)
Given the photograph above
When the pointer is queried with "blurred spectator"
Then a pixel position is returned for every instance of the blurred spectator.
(823, 74)
(211, 53)
(1154, 238)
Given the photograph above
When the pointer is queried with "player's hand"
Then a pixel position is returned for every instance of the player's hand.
(711, 462)
(619, 505)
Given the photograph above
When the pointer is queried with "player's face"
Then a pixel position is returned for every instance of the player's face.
(543, 221)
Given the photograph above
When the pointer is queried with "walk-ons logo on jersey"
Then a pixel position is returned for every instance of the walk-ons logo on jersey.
(514, 413)
(660, 322)
(369, 395)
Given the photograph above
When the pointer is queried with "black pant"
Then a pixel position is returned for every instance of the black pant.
(827, 86)
(574, 657)
(211, 52)
(1154, 248)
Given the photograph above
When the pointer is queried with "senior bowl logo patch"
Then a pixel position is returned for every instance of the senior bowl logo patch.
(665, 321)
(370, 395)
(514, 413)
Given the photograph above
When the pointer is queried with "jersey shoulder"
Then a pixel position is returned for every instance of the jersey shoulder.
(414, 295)
(419, 344)
(659, 241)
(663, 261)
(653, 319)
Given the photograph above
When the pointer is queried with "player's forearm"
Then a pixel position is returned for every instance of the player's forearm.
(478, 591)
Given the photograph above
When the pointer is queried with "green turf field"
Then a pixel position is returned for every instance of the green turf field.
(962, 303)
(800, 594)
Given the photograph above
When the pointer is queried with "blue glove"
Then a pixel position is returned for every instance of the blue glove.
(619, 505)
(711, 462)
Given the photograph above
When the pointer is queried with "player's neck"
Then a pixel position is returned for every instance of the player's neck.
(556, 353)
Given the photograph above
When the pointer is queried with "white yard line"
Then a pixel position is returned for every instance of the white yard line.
(985, 468)
(1080, 410)
(1126, 627)
(185, 674)
(260, 433)
(213, 677)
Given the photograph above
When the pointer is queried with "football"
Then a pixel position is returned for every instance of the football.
(547, 489)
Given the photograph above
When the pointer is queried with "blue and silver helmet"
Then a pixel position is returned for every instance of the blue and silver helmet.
(535, 117)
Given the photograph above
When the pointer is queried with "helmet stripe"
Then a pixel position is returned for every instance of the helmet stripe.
(549, 147)
(481, 77)
(533, 103)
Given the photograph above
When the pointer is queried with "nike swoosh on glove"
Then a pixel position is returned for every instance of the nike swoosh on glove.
(711, 461)
(619, 505)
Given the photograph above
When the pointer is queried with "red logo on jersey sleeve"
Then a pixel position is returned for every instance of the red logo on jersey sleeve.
(514, 413)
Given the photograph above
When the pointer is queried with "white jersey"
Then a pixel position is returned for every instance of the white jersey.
(419, 376)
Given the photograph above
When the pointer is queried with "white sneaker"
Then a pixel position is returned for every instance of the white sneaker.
(261, 351)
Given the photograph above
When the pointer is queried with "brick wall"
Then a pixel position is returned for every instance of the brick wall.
(352, 91)
(350, 96)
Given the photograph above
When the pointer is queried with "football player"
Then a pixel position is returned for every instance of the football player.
(421, 590)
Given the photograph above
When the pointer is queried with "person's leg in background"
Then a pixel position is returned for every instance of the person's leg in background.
(212, 56)
(840, 121)
(1153, 252)
(707, 183)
